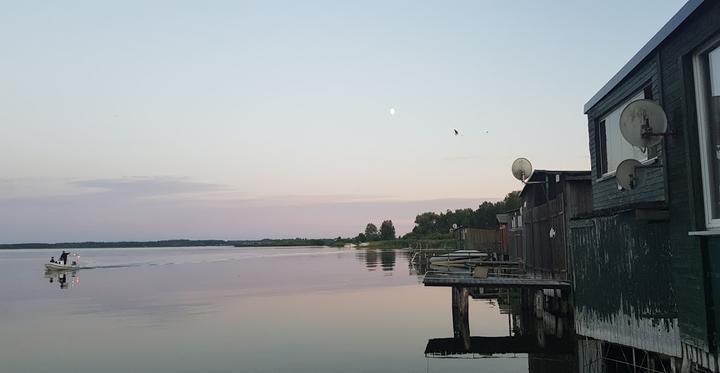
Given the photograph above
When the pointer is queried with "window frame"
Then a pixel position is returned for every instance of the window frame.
(701, 109)
(601, 140)
(604, 167)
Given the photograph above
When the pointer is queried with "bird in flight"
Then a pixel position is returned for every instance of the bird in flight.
(456, 132)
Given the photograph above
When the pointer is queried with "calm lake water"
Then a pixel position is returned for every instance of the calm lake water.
(225, 309)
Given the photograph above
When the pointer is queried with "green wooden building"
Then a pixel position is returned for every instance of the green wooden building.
(647, 260)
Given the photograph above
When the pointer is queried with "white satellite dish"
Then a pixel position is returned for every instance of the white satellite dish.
(626, 174)
(522, 169)
(643, 123)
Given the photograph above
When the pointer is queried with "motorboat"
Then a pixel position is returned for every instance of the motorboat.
(60, 266)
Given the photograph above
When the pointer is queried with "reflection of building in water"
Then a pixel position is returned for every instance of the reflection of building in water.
(530, 333)
(540, 328)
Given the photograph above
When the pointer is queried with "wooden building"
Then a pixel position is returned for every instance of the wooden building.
(550, 200)
(647, 260)
(484, 240)
(515, 238)
(504, 233)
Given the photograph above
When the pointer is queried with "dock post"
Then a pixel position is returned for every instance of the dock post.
(461, 322)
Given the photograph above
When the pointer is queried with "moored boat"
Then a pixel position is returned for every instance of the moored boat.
(460, 255)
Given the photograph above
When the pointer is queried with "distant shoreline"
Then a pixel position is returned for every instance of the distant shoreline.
(171, 243)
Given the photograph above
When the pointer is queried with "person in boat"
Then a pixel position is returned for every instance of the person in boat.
(63, 257)
(52, 259)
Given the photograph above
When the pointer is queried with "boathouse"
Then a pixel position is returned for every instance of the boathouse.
(504, 233)
(515, 241)
(647, 259)
(549, 200)
(484, 240)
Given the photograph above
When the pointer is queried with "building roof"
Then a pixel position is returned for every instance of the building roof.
(503, 218)
(540, 175)
(646, 50)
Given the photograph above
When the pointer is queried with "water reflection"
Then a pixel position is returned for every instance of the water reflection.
(371, 259)
(62, 279)
(541, 329)
(526, 334)
(385, 258)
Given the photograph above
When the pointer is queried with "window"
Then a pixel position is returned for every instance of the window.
(612, 147)
(707, 92)
(601, 148)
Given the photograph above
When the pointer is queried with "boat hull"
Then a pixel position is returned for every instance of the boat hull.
(60, 267)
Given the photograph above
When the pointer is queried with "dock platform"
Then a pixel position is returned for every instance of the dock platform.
(498, 345)
(465, 280)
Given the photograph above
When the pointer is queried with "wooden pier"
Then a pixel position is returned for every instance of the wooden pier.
(466, 280)
(497, 345)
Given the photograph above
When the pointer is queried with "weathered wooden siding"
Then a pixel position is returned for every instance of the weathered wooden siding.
(544, 236)
(623, 285)
(515, 235)
(485, 240)
(695, 265)
(516, 244)
(578, 201)
(605, 192)
(504, 240)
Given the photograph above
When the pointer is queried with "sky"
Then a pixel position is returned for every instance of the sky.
(145, 120)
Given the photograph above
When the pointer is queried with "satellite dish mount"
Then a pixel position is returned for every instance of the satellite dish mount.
(626, 174)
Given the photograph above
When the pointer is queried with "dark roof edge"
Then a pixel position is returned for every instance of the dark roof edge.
(661, 35)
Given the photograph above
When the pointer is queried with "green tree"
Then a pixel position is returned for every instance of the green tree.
(433, 224)
(371, 232)
(387, 230)
(361, 238)
(512, 201)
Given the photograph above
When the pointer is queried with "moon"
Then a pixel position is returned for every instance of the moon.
(392, 111)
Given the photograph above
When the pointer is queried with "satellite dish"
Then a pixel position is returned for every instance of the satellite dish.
(643, 123)
(522, 169)
(626, 174)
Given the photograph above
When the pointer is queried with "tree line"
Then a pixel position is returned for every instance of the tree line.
(432, 225)
(372, 233)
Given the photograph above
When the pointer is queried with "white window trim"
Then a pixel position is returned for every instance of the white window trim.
(611, 174)
(701, 108)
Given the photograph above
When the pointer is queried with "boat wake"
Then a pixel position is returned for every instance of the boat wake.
(183, 261)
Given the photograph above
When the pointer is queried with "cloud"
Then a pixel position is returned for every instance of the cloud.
(151, 208)
(149, 186)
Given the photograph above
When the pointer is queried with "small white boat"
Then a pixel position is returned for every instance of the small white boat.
(458, 256)
(61, 267)
(58, 266)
